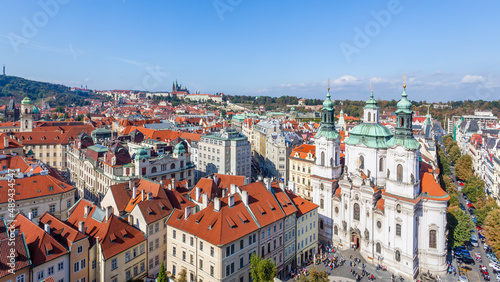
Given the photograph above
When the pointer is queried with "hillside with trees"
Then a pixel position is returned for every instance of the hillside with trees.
(13, 87)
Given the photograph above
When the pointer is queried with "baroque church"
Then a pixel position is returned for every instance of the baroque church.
(381, 202)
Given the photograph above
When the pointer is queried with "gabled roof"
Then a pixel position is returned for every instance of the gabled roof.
(303, 150)
(60, 230)
(115, 235)
(218, 228)
(303, 206)
(20, 250)
(41, 245)
(262, 203)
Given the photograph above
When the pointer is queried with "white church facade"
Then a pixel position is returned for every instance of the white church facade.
(380, 202)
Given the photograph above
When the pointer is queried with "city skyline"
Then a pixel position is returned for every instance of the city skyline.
(255, 48)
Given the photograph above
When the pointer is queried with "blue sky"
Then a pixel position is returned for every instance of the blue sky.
(447, 49)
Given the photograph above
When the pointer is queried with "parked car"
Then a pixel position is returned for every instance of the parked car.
(462, 206)
(463, 279)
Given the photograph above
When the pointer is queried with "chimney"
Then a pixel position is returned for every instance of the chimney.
(130, 219)
(246, 181)
(30, 216)
(134, 192)
(217, 204)
(131, 183)
(282, 185)
(142, 195)
(109, 211)
(259, 177)
(197, 192)
(6, 141)
(86, 210)
(291, 185)
(204, 200)
(267, 182)
(224, 193)
(187, 212)
(231, 201)
(169, 186)
(173, 183)
(46, 227)
(244, 197)
(150, 196)
(233, 188)
(215, 179)
(81, 226)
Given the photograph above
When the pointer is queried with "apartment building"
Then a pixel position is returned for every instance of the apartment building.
(227, 152)
(301, 160)
(49, 257)
(10, 146)
(76, 243)
(19, 270)
(118, 249)
(37, 188)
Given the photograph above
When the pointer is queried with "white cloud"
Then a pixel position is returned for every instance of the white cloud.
(376, 80)
(472, 79)
(346, 80)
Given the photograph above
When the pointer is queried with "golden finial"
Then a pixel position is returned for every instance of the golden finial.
(328, 84)
(404, 81)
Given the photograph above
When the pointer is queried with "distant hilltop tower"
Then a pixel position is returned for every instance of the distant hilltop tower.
(3, 70)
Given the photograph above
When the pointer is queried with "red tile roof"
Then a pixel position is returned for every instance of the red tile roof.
(303, 206)
(21, 252)
(63, 232)
(41, 245)
(262, 203)
(303, 150)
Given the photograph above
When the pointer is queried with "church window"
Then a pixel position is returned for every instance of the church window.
(398, 229)
(412, 178)
(25, 111)
(400, 173)
(293, 166)
(335, 230)
(322, 187)
(321, 224)
(322, 158)
(172, 166)
(356, 212)
(378, 248)
(379, 224)
(336, 210)
(153, 170)
(369, 116)
(381, 165)
(398, 208)
(331, 161)
(432, 239)
(401, 122)
(398, 256)
(322, 203)
(361, 162)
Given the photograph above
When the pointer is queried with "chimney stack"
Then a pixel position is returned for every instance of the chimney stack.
(86, 211)
(46, 227)
(267, 182)
(6, 141)
(30, 216)
(217, 204)
(197, 193)
(173, 183)
(130, 219)
(187, 212)
(231, 201)
(291, 185)
(150, 196)
(109, 211)
(204, 200)
(215, 179)
(282, 185)
(223, 193)
(81, 226)
(142, 195)
(233, 188)
(131, 183)
(134, 192)
(244, 197)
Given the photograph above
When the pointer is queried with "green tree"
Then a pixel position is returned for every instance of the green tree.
(474, 188)
(483, 209)
(59, 109)
(454, 153)
(492, 230)
(54, 116)
(182, 276)
(315, 276)
(262, 270)
(463, 167)
(460, 226)
(162, 276)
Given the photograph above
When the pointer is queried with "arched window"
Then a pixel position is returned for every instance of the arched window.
(153, 170)
(400, 173)
(172, 166)
(335, 230)
(381, 165)
(378, 248)
(356, 212)
(321, 224)
(369, 116)
(398, 229)
(361, 162)
(322, 158)
(432, 239)
(322, 203)
(331, 162)
(322, 187)
(25, 111)
(401, 122)
(398, 256)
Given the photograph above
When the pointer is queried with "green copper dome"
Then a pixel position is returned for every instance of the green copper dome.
(373, 135)
(371, 103)
(328, 104)
(35, 110)
(179, 148)
(141, 154)
(26, 101)
(404, 105)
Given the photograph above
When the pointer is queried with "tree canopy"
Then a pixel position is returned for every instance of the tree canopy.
(463, 167)
(262, 270)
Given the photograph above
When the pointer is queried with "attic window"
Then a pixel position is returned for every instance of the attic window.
(212, 224)
(162, 206)
(271, 206)
(112, 237)
(231, 222)
(51, 188)
(48, 249)
(39, 191)
(180, 216)
(34, 181)
(124, 233)
(242, 217)
(261, 209)
(199, 218)
(149, 210)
